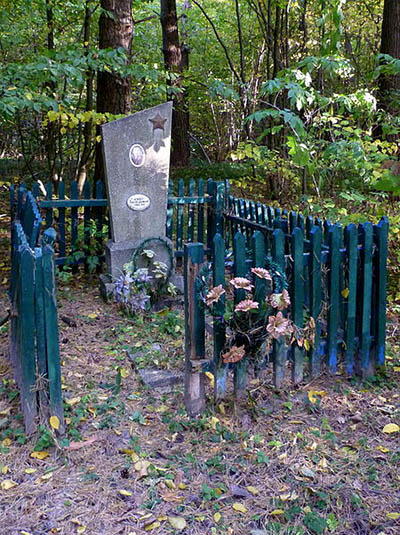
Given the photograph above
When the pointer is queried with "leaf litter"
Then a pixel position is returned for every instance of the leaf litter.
(302, 464)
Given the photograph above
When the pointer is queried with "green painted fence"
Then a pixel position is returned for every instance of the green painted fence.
(78, 219)
(34, 345)
(194, 212)
(335, 275)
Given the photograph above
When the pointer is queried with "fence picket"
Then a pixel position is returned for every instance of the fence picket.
(29, 217)
(239, 262)
(292, 221)
(40, 329)
(381, 243)
(219, 207)
(298, 300)
(315, 297)
(74, 214)
(334, 240)
(86, 217)
(366, 232)
(261, 285)
(21, 201)
(49, 211)
(327, 225)
(279, 346)
(240, 270)
(61, 221)
(300, 221)
(351, 238)
(27, 339)
(259, 213)
(51, 327)
(270, 215)
(210, 214)
(252, 211)
(258, 253)
(220, 369)
(191, 213)
(309, 225)
(200, 212)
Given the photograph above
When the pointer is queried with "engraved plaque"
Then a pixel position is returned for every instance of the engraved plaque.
(137, 155)
(138, 202)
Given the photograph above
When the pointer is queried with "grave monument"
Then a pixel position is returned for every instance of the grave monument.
(136, 153)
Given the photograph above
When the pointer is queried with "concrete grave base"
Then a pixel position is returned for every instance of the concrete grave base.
(120, 253)
(106, 287)
(178, 282)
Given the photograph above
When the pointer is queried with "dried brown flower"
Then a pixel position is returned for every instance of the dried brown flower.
(234, 354)
(241, 283)
(262, 273)
(279, 326)
(214, 295)
(279, 301)
(246, 305)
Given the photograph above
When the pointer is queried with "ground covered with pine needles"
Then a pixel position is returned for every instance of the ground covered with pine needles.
(312, 460)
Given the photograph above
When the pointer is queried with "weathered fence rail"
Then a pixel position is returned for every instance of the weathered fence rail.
(336, 276)
(34, 347)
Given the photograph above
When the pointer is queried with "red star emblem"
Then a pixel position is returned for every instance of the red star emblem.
(158, 122)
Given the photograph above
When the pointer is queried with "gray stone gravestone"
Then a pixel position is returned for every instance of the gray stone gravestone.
(136, 153)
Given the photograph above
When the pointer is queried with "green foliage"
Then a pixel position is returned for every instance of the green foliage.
(315, 125)
(169, 322)
(45, 438)
(329, 138)
(218, 171)
(138, 417)
(262, 458)
(315, 523)
(43, 91)
(64, 275)
(210, 493)
(89, 245)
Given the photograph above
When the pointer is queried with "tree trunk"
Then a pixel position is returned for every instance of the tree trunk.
(113, 91)
(390, 44)
(176, 59)
(52, 127)
(84, 161)
(277, 44)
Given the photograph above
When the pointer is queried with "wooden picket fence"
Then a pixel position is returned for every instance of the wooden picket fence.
(193, 212)
(336, 276)
(78, 220)
(34, 345)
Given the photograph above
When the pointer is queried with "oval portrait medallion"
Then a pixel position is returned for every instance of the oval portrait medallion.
(138, 202)
(137, 155)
